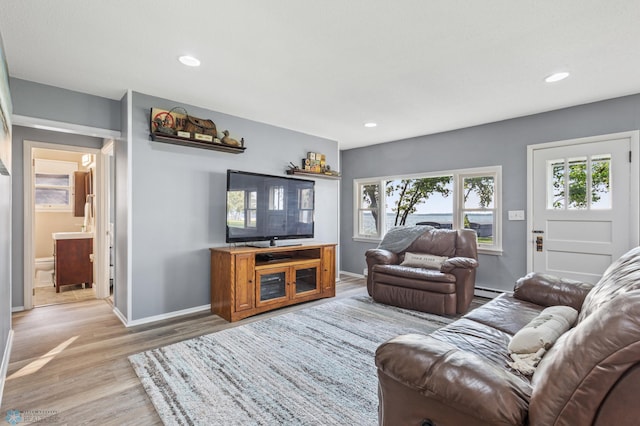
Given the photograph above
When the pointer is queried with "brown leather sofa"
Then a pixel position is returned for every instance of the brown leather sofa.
(459, 374)
(444, 291)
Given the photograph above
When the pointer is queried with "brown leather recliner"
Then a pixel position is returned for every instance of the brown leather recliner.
(459, 375)
(445, 291)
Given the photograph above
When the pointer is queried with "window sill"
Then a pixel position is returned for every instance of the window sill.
(374, 240)
(490, 251)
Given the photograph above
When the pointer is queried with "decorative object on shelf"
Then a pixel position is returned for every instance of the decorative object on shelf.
(176, 126)
(178, 122)
(325, 172)
(227, 140)
(315, 162)
(200, 126)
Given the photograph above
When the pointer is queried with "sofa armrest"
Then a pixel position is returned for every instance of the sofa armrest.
(453, 378)
(458, 262)
(549, 290)
(380, 257)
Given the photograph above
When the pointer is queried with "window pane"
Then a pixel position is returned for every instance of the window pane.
(305, 216)
(577, 183)
(478, 192)
(369, 200)
(368, 223)
(483, 223)
(306, 198)
(369, 196)
(276, 198)
(235, 209)
(49, 196)
(600, 183)
(556, 191)
(252, 200)
(413, 201)
(49, 179)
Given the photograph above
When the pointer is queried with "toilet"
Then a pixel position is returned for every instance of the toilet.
(43, 271)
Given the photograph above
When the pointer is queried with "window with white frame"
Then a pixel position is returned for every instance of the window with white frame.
(458, 199)
(54, 183)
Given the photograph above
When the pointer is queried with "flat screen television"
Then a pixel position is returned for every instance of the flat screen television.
(268, 208)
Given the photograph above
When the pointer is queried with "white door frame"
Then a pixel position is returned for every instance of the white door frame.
(55, 126)
(29, 219)
(103, 219)
(634, 185)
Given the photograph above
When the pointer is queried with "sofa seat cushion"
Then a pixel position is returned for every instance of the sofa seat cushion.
(416, 278)
(480, 339)
(506, 313)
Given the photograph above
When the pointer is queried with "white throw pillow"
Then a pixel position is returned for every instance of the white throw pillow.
(543, 330)
(420, 260)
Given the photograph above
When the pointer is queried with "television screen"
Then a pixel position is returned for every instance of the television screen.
(268, 208)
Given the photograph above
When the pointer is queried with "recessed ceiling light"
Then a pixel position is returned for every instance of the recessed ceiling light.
(556, 77)
(370, 124)
(189, 61)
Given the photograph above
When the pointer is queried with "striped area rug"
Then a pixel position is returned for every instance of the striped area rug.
(314, 366)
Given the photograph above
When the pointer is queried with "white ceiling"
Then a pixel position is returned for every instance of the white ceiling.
(326, 67)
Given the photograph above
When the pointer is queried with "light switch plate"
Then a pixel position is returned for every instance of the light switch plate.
(516, 214)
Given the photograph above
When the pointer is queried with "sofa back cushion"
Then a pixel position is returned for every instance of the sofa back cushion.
(621, 276)
(577, 374)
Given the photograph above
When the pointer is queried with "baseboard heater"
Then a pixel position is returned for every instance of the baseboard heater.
(487, 292)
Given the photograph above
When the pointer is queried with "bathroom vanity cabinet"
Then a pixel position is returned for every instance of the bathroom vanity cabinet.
(73, 261)
(247, 281)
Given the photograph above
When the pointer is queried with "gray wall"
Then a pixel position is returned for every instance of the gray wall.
(179, 195)
(53, 103)
(20, 134)
(503, 143)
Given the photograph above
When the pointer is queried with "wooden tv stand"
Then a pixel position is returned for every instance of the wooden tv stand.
(247, 281)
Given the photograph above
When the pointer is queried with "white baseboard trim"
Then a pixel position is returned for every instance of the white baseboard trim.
(5, 363)
(17, 308)
(168, 315)
(121, 317)
(351, 274)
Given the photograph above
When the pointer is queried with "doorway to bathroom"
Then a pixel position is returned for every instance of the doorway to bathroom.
(67, 245)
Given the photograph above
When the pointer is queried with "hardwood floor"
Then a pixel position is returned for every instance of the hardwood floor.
(71, 361)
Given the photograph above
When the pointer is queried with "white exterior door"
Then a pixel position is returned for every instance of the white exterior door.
(583, 205)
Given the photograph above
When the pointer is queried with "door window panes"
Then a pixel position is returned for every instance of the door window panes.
(601, 184)
(579, 183)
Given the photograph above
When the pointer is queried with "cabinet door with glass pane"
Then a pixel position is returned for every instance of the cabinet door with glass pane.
(306, 279)
(272, 285)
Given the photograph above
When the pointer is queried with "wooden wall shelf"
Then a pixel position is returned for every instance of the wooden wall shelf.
(320, 175)
(194, 143)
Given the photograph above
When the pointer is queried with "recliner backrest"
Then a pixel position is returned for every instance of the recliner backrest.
(439, 242)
